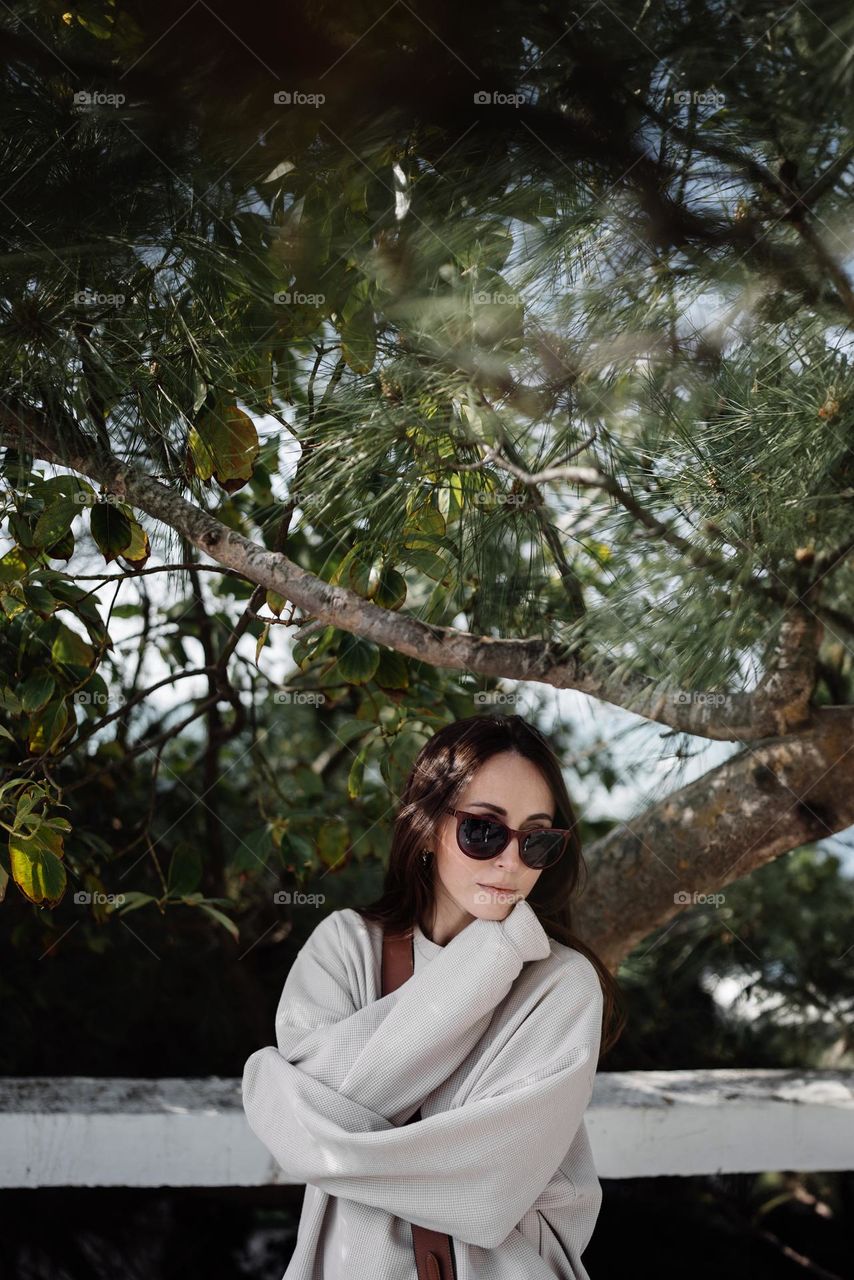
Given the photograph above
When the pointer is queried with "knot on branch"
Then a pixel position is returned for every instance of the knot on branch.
(787, 685)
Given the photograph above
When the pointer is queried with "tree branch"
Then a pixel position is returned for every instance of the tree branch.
(736, 716)
(761, 803)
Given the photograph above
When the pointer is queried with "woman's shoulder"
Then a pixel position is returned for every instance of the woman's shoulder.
(343, 941)
(568, 967)
(350, 921)
(344, 930)
(341, 923)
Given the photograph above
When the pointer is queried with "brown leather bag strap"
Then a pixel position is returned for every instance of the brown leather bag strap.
(434, 1250)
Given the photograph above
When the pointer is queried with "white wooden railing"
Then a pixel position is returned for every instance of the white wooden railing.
(92, 1132)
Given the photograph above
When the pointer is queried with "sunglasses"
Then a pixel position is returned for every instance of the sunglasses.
(484, 837)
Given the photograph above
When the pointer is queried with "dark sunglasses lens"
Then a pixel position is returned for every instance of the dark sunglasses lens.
(480, 838)
(542, 848)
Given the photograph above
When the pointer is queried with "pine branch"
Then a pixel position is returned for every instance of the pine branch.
(733, 716)
(593, 477)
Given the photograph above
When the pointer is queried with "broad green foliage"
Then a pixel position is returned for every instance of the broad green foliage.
(324, 322)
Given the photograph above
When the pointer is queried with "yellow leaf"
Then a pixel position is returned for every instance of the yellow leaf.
(37, 868)
(47, 727)
(224, 444)
(140, 547)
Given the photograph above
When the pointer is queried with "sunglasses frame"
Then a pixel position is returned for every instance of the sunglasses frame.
(462, 814)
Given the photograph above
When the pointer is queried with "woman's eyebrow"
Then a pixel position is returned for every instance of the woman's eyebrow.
(486, 804)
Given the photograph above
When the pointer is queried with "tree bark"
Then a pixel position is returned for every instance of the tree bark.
(764, 801)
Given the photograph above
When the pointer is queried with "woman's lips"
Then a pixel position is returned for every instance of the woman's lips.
(496, 888)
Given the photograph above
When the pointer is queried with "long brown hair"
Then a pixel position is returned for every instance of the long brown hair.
(444, 767)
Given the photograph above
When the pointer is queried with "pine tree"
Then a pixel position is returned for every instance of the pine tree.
(554, 304)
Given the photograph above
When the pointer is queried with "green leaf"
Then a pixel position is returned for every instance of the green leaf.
(133, 900)
(27, 801)
(305, 651)
(70, 651)
(69, 488)
(15, 564)
(10, 702)
(221, 919)
(346, 730)
(36, 690)
(356, 776)
(111, 530)
(55, 522)
(37, 866)
(363, 576)
(63, 549)
(86, 609)
(357, 659)
(21, 530)
(425, 519)
(11, 605)
(223, 445)
(343, 566)
(421, 558)
(392, 670)
(253, 851)
(391, 590)
(139, 550)
(39, 599)
(47, 727)
(275, 602)
(93, 696)
(185, 870)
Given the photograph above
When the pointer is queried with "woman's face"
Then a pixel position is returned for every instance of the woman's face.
(510, 788)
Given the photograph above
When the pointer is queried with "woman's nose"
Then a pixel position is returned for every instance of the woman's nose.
(514, 852)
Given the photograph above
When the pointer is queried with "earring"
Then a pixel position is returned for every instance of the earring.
(425, 857)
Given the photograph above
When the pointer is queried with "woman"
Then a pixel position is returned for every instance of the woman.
(495, 1036)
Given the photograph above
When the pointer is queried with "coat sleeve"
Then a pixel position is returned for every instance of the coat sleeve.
(389, 1055)
(472, 1171)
